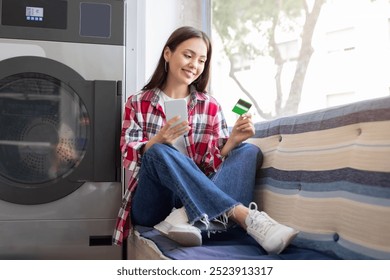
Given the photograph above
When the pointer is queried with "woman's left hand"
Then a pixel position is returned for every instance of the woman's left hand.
(243, 129)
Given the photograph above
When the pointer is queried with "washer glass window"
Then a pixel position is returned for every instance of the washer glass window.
(44, 129)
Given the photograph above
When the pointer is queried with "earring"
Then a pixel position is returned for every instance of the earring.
(166, 66)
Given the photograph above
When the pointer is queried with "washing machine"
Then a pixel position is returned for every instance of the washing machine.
(61, 73)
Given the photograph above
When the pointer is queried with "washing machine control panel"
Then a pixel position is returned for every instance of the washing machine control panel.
(76, 21)
(35, 13)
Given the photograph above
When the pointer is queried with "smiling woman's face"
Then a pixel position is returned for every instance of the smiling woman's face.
(187, 62)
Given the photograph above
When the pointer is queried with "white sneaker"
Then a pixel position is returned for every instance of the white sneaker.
(271, 235)
(177, 228)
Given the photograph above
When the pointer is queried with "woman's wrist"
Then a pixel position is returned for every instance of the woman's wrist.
(230, 145)
(148, 145)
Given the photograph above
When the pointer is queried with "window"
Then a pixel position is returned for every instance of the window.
(271, 57)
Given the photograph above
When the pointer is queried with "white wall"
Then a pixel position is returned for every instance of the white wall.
(161, 19)
(149, 23)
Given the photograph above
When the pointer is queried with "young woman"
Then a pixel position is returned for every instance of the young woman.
(194, 171)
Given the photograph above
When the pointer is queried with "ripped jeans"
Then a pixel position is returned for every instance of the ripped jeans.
(169, 179)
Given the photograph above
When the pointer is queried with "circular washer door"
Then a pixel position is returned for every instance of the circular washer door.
(45, 130)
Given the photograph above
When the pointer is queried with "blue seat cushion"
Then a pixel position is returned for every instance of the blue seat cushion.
(233, 244)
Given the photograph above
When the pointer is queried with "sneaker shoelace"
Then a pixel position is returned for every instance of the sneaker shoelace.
(259, 222)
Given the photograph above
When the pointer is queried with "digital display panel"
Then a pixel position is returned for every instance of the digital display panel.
(34, 13)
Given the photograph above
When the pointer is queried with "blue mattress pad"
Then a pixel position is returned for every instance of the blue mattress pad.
(232, 244)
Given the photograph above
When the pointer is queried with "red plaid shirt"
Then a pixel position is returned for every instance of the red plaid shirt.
(144, 117)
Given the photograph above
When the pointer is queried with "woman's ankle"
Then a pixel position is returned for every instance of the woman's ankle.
(238, 214)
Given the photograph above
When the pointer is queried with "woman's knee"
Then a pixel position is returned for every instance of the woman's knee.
(250, 150)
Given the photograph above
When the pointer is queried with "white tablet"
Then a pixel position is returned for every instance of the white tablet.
(176, 107)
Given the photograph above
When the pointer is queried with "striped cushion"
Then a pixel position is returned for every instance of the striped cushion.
(327, 173)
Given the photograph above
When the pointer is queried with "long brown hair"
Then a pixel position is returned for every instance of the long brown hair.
(180, 35)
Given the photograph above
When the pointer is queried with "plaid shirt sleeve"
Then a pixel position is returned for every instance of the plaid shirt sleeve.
(210, 134)
(132, 138)
(221, 135)
(131, 142)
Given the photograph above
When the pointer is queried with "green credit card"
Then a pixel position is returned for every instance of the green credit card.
(241, 107)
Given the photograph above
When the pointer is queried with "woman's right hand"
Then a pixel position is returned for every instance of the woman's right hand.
(169, 133)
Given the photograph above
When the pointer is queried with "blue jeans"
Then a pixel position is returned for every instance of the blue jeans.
(170, 179)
